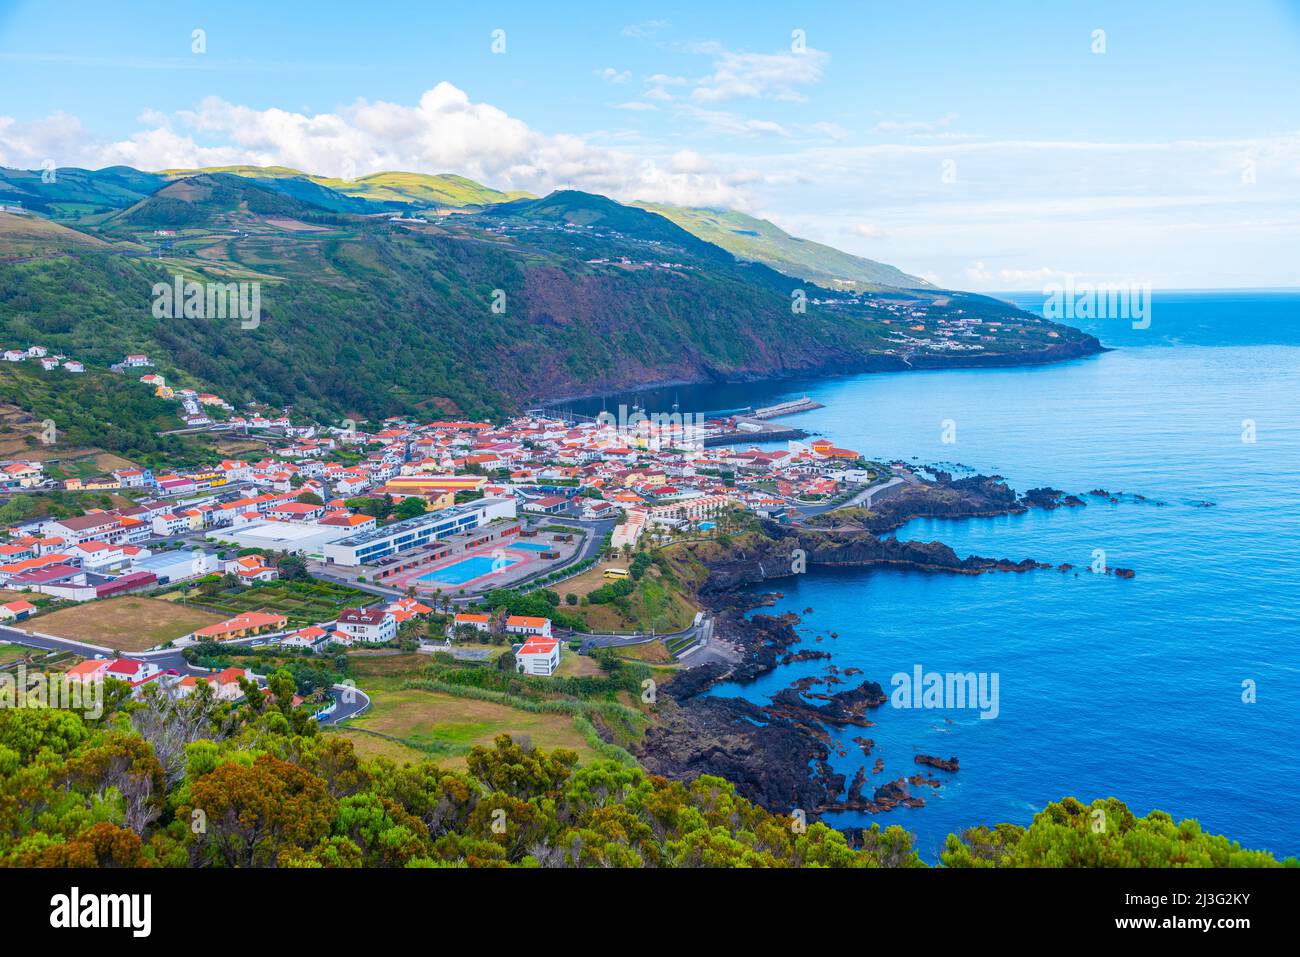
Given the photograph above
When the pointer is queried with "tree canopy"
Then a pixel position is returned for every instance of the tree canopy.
(197, 782)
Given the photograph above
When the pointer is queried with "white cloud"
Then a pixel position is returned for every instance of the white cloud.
(1178, 213)
(29, 145)
(645, 29)
(733, 124)
(832, 131)
(982, 275)
(445, 131)
(916, 127)
(1182, 212)
(758, 75)
(688, 161)
(611, 75)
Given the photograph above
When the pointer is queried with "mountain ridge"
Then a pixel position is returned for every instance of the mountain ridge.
(476, 313)
(760, 240)
(746, 237)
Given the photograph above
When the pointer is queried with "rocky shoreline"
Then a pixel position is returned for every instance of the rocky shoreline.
(1079, 347)
(778, 754)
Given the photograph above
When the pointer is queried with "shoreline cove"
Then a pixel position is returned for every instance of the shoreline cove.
(1130, 689)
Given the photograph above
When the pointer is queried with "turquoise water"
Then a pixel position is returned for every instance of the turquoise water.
(468, 569)
(532, 547)
(1107, 687)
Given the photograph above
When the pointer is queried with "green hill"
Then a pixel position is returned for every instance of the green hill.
(205, 199)
(441, 190)
(445, 189)
(364, 316)
(26, 235)
(758, 240)
(78, 193)
(588, 210)
(70, 192)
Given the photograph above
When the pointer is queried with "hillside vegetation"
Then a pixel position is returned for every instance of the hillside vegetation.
(475, 313)
(758, 240)
(444, 189)
(126, 789)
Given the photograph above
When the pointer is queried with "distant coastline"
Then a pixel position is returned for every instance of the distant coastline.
(1082, 348)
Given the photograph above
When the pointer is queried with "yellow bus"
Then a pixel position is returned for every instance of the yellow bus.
(613, 574)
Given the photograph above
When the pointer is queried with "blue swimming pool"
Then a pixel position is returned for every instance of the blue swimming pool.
(532, 546)
(469, 568)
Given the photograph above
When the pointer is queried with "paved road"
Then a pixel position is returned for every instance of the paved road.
(17, 637)
(863, 498)
(703, 629)
(597, 530)
(349, 701)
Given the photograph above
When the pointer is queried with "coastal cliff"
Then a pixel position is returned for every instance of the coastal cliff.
(777, 754)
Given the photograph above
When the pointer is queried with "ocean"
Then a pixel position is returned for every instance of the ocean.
(1107, 687)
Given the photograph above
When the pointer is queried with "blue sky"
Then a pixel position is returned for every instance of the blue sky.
(984, 148)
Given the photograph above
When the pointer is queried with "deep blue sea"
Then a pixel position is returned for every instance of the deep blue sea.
(1107, 687)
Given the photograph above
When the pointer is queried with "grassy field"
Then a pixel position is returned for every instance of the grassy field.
(373, 746)
(375, 671)
(652, 653)
(10, 652)
(30, 236)
(301, 604)
(589, 580)
(443, 728)
(655, 603)
(384, 669)
(130, 623)
(574, 665)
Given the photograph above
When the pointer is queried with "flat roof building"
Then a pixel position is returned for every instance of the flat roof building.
(377, 544)
(306, 538)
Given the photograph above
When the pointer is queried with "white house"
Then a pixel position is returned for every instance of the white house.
(373, 625)
(131, 478)
(225, 684)
(478, 622)
(312, 637)
(102, 557)
(17, 610)
(169, 524)
(529, 626)
(538, 656)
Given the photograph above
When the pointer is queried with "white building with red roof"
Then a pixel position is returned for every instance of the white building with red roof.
(373, 625)
(538, 655)
(528, 625)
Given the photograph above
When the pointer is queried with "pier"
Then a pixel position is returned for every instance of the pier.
(784, 408)
(741, 437)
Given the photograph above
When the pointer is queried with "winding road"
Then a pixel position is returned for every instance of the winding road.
(349, 700)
